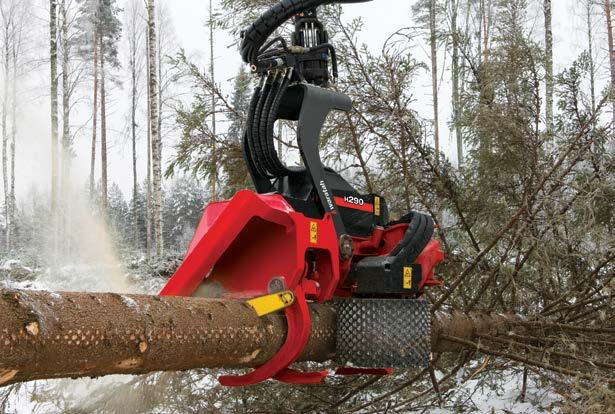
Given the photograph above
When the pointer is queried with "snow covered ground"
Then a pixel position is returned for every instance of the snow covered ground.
(505, 398)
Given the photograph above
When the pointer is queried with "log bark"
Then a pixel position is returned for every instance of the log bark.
(57, 335)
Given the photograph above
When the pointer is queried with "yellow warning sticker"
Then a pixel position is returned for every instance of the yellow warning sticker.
(407, 278)
(313, 232)
(376, 205)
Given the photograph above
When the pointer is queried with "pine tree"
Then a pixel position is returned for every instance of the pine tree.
(428, 14)
(134, 35)
(100, 30)
(589, 9)
(455, 78)
(434, 75)
(549, 68)
(214, 151)
(609, 32)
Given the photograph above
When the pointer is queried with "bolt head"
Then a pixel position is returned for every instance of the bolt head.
(346, 247)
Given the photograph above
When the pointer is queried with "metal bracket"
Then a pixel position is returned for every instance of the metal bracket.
(264, 305)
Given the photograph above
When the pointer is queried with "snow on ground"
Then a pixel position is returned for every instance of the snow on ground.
(482, 397)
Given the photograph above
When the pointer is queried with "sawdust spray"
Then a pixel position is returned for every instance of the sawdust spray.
(81, 255)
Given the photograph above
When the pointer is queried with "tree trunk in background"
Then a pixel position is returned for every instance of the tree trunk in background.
(94, 121)
(66, 139)
(479, 34)
(434, 77)
(5, 132)
(549, 69)
(455, 82)
(53, 59)
(103, 129)
(133, 132)
(159, 54)
(358, 152)
(486, 23)
(590, 47)
(214, 151)
(484, 76)
(155, 135)
(148, 195)
(609, 26)
(12, 198)
(94, 334)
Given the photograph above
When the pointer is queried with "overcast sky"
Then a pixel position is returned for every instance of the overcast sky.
(381, 18)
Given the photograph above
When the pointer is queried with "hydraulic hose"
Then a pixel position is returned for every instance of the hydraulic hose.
(270, 153)
(252, 126)
(263, 137)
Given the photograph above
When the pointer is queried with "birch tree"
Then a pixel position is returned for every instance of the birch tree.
(12, 205)
(14, 15)
(94, 114)
(53, 62)
(149, 207)
(66, 50)
(156, 143)
(8, 14)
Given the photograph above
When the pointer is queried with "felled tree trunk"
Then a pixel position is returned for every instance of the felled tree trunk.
(56, 335)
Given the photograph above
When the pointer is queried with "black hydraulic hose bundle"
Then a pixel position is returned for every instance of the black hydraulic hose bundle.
(278, 168)
(265, 115)
(249, 134)
(257, 119)
(263, 112)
